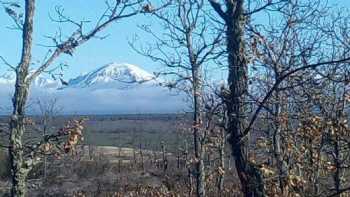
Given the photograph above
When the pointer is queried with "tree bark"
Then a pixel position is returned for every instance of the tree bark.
(222, 162)
(20, 166)
(249, 175)
(336, 176)
(282, 165)
(198, 132)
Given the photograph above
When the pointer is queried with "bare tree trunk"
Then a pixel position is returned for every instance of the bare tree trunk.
(141, 156)
(249, 175)
(20, 167)
(119, 157)
(336, 176)
(281, 164)
(178, 158)
(222, 162)
(45, 157)
(190, 182)
(229, 162)
(91, 152)
(164, 158)
(186, 151)
(183, 24)
(198, 132)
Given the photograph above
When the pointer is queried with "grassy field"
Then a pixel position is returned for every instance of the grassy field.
(133, 131)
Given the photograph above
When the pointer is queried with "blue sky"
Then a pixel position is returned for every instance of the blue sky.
(93, 54)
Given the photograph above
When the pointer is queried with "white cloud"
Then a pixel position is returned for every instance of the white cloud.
(101, 91)
(142, 99)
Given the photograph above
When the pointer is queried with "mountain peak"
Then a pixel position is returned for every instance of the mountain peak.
(128, 70)
(113, 75)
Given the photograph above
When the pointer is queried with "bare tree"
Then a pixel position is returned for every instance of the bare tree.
(293, 56)
(237, 15)
(186, 46)
(115, 11)
(48, 110)
(216, 124)
(234, 19)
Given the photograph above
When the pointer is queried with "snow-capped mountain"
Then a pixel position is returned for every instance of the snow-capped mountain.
(113, 88)
(9, 78)
(113, 75)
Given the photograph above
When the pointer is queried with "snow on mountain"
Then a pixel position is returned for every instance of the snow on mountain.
(47, 83)
(113, 75)
(113, 88)
(9, 78)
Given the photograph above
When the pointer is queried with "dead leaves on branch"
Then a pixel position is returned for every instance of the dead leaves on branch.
(64, 141)
(316, 127)
(74, 131)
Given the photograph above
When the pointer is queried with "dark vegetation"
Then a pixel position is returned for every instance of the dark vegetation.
(120, 155)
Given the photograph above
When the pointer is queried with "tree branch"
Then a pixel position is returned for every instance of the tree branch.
(218, 9)
(279, 81)
(7, 63)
